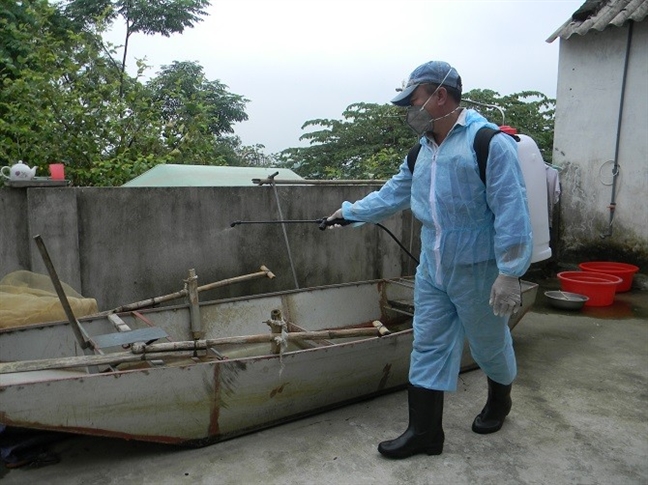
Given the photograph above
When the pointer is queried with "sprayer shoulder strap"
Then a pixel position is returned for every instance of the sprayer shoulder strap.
(480, 145)
(412, 155)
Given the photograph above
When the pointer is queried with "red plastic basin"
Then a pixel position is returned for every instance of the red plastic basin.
(622, 270)
(600, 288)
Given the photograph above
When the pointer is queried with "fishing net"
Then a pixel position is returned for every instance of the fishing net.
(27, 297)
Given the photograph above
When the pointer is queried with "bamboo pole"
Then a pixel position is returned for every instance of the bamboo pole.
(277, 325)
(80, 361)
(191, 285)
(263, 272)
(140, 351)
(256, 339)
(78, 331)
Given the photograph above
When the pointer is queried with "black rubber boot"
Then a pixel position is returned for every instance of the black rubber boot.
(425, 431)
(498, 406)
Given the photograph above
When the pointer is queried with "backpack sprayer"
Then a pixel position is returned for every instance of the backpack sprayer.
(323, 223)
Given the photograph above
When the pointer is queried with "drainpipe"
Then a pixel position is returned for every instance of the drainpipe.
(615, 166)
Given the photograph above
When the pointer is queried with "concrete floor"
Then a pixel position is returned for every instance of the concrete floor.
(579, 417)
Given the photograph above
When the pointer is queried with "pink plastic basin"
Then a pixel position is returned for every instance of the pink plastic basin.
(600, 288)
(622, 270)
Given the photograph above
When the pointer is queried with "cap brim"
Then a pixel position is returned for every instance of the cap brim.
(403, 98)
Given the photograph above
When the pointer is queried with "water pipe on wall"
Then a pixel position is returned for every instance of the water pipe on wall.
(615, 166)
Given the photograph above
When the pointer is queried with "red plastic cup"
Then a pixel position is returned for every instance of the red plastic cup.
(57, 171)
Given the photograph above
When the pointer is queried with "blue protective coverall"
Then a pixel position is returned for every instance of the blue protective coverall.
(470, 232)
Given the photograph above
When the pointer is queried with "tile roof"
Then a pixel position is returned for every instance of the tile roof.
(598, 14)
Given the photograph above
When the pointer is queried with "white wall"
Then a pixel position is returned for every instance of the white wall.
(590, 80)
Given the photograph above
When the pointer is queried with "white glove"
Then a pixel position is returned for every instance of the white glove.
(505, 295)
(336, 215)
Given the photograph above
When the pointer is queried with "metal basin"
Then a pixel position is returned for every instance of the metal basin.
(566, 300)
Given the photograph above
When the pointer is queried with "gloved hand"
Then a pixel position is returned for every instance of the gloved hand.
(336, 215)
(505, 296)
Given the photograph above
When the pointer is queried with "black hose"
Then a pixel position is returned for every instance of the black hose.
(397, 242)
(324, 222)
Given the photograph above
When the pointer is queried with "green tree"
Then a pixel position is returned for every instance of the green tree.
(43, 64)
(254, 156)
(148, 17)
(198, 114)
(371, 140)
(15, 47)
(59, 101)
(65, 108)
(365, 144)
(530, 112)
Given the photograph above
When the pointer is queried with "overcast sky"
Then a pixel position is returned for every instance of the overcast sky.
(298, 60)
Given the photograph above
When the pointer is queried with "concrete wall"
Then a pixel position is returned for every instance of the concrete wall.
(590, 80)
(120, 245)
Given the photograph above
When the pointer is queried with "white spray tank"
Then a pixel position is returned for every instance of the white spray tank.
(535, 179)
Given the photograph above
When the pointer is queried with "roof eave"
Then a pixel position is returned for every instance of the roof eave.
(614, 12)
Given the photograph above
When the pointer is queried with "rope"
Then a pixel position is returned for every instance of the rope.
(282, 341)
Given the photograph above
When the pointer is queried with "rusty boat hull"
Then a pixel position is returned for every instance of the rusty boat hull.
(204, 396)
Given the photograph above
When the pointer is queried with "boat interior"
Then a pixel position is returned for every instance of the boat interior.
(194, 333)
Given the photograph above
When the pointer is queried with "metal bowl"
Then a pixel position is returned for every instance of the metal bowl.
(565, 300)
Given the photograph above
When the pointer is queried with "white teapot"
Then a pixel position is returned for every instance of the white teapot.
(19, 171)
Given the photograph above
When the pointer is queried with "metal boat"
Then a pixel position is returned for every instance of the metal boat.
(202, 372)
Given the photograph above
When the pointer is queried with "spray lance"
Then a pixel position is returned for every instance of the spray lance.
(323, 223)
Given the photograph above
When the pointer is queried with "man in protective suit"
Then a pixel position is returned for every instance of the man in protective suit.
(476, 242)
